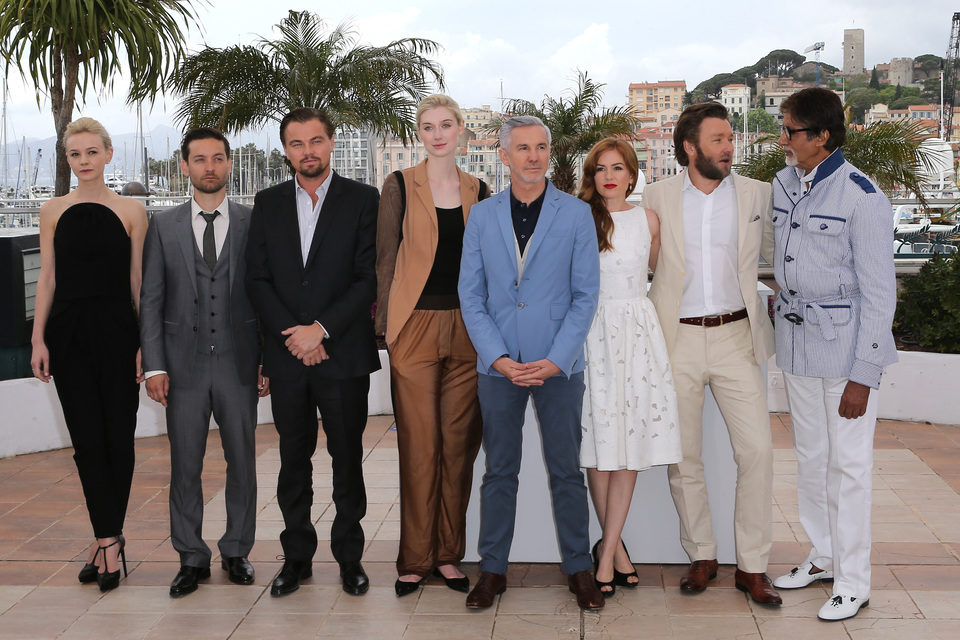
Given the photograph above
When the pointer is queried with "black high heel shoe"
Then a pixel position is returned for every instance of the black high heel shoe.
(595, 552)
(457, 584)
(108, 580)
(90, 570)
(623, 579)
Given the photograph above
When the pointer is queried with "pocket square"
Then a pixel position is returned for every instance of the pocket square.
(755, 218)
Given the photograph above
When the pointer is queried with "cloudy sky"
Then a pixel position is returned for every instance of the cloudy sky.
(536, 49)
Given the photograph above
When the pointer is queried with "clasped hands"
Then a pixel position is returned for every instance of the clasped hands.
(305, 343)
(525, 374)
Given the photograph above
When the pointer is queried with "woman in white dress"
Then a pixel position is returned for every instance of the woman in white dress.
(629, 407)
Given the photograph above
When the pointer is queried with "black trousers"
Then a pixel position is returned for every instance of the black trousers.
(343, 412)
(94, 371)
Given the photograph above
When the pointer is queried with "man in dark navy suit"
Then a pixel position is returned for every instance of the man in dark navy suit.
(311, 274)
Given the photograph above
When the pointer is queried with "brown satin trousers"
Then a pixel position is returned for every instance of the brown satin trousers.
(433, 375)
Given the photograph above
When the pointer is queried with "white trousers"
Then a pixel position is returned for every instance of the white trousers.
(834, 479)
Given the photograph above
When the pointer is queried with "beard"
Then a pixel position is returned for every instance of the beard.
(708, 168)
(790, 159)
(313, 172)
(208, 187)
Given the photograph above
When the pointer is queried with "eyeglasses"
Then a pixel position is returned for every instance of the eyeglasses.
(787, 130)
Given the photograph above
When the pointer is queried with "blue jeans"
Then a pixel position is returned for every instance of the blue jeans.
(558, 405)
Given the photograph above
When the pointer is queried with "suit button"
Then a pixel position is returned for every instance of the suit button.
(514, 283)
(792, 292)
(194, 301)
(212, 313)
(788, 259)
(212, 297)
(794, 225)
(521, 306)
(194, 329)
(213, 330)
(305, 283)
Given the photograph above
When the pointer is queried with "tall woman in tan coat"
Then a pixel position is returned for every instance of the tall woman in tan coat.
(432, 362)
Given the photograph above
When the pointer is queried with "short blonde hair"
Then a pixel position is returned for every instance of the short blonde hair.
(88, 125)
(439, 100)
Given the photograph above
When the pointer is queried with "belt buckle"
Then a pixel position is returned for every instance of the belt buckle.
(793, 317)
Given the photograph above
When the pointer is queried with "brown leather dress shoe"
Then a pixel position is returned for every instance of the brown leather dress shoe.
(488, 587)
(698, 575)
(759, 587)
(583, 586)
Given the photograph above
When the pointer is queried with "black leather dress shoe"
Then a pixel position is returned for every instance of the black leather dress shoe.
(354, 579)
(186, 580)
(288, 580)
(239, 570)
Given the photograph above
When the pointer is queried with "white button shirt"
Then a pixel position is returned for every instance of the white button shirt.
(710, 229)
(220, 224)
(308, 213)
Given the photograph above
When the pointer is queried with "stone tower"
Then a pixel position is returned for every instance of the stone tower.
(852, 52)
(901, 72)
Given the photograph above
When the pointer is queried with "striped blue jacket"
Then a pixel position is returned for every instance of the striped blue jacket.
(834, 263)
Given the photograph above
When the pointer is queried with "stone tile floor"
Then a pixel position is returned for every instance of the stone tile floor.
(45, 533)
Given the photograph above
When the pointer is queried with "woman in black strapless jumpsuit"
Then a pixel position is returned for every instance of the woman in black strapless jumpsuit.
(89, 330)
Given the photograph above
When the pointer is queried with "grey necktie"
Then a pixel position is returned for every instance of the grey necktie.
(209, 242)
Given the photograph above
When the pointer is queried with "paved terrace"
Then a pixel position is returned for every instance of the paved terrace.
(44, 537)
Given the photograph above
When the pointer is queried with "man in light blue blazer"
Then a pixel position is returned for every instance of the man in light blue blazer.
(529, 279)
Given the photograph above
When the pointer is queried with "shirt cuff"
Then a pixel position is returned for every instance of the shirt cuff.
(150, 374)
(866, 373)
(325, 334)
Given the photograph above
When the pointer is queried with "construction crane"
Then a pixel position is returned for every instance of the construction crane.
(816, 47)
(951, 70)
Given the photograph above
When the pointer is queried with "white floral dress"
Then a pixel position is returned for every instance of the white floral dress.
(630, 405)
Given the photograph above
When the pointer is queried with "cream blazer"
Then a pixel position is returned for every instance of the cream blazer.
(755, 238)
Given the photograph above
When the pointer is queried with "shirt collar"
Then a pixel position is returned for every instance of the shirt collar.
(322, 189)
(196, 210)
(726, 183)
(514, 202)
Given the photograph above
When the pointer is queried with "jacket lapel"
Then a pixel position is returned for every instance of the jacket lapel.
(671, 220)
(743, 213)
(548, 213)
(187, 242)
(425, 196)
(327, 212)
(506, 226)
(236, 231)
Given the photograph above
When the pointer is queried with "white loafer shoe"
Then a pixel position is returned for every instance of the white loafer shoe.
(801, 576)
(841, 608)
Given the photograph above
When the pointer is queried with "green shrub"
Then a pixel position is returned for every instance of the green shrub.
(928, 309)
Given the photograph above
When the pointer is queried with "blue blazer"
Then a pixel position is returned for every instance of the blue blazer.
(548, 312)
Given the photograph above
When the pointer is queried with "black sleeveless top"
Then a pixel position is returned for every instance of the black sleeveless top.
(92, 252)
(92, 276)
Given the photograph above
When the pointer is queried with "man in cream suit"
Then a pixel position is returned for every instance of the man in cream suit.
(714, 225)
(198, 333)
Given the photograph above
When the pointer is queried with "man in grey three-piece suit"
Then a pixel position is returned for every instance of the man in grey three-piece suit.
(201, 354)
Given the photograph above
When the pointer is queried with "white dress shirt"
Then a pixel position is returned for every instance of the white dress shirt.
(308, 213)
(710, 229)
(220, 224)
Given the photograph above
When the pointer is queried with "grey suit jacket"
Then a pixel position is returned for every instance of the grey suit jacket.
(170, 306)
(754, 238)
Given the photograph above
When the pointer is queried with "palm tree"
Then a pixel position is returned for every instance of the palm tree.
(576, 124)
(67, 46)
(250, 85)
(888, 152)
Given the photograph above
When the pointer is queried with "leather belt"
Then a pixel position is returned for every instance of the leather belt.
(715, 321)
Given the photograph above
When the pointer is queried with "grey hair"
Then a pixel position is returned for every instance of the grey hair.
(520, 121)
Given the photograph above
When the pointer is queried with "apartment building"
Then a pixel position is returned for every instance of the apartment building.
(650, 98)
(736, 98)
